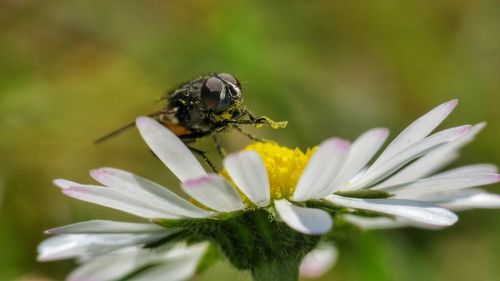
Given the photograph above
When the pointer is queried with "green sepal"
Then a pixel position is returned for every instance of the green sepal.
(193, 222)
(325, 206)
(181, 223)
(365, 194)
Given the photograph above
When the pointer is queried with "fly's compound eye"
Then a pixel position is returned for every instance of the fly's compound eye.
(233, 85)
(230, 79)
(213, 93)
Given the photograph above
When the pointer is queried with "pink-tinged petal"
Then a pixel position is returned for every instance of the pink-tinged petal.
(316, 263)
(442, 184)
(321, 170)
(461, 142)
(249, 173)
(170, 149)
(62, 183)
(110, 198)
(418, 211)
(147, 191)
(433, 161)
(214, 192)
(417, 131)
(309, 221)
(362, 151)
(385, 169)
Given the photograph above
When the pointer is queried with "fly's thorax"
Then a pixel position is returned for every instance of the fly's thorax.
(186, 105)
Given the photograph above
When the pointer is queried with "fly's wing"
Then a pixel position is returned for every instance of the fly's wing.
(123, 129)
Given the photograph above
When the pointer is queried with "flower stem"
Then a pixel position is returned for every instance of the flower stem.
(271, 270)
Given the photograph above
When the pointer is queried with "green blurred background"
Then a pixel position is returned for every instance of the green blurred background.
(71, 71)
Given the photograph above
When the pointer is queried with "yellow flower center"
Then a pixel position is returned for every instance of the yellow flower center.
(284, 166)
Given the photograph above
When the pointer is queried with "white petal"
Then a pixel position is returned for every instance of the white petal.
(183, 249)
(473, 201)
(375, 174)
(118, 264)
(109, 266)
(214, 192)
(104, 226)
(170, 149)
(306, 220)
(420, 168)
(181, 268)
(442, 184)
(151, 192)
(459, 200)
(469, 170)
(362, 151)
(417, 131)
(321, 170)
(249, 173)
(371, 223)
(433, 161)
(82, 245)
(413, 210)
(318, 261)
(110, 198)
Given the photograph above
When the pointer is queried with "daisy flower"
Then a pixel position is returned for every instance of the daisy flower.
(268, 207)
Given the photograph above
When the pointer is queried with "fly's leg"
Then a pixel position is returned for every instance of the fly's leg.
(193, 137)
(203, 155)
(250, 115)
(256, 121)
(250, 136)
(264, 120)
(220, 149)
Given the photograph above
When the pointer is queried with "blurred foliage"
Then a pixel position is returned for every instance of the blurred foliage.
(74, 70)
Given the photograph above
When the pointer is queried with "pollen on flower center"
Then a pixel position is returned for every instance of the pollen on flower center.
(284, 166)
